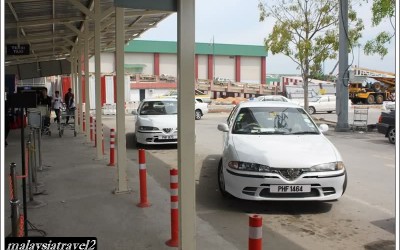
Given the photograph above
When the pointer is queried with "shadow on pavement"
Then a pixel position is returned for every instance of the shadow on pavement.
(131, 144)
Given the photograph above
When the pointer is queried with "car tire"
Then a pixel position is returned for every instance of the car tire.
(137, 144)
(330, 112)
(198, 114)
(311, 110)
(221, 181)
(392, 135)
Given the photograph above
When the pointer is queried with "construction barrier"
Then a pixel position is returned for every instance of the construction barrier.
(112, 148)
(255, 232)
(174, 241)
(143, 179)
(15, 229)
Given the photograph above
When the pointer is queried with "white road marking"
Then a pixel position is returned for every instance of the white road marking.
(390, 165)
(382, 209)
(385, 157)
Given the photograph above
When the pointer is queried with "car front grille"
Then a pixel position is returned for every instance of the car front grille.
(290, 174)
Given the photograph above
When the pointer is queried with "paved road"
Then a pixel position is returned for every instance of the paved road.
(362, 219)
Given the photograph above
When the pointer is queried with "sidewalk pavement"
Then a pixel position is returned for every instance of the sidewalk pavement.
(79, 199)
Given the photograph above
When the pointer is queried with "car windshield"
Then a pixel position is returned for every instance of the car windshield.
(159, 108)
(273, 120)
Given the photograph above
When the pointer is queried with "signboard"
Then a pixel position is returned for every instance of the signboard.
(15, 49)
(167, 5)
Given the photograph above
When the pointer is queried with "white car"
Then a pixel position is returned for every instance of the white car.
(200, 109)
(157, 121)
(275, 151)
(325, 103)
(278, 98)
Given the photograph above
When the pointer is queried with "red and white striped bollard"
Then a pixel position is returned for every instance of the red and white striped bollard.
(112, 148)
(174, 241)
(255, 232)
(95, 132)
(102, 139)
(143, 179)
(91, 128)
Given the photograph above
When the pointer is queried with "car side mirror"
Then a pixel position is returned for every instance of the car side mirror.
(134, 112)
(223, 127)
(323, 128)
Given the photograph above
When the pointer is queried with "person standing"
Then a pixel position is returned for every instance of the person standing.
(69, 102)
(57, 102)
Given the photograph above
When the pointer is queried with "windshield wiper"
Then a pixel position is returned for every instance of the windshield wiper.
(305, 133)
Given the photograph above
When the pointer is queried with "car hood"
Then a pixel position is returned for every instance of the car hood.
(159, 121)
(284, 151)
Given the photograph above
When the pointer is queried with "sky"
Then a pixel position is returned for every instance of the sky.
(237, 22)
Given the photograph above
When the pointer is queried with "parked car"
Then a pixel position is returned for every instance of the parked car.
(275, 151)
(157, 121)
(200, 109)
(325, 103)
(387, 125)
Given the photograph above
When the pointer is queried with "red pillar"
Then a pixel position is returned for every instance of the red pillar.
(237, 68)
(156, 64)
(210, 68)
(263, 70)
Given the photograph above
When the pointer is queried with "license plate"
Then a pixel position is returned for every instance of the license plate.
(168, 137)
(290, 188)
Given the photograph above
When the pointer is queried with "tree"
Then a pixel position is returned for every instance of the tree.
(382, 10)
(307, 32)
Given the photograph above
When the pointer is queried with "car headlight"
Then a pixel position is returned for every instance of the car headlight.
(331, 166)
(147, 128)
(247, 166)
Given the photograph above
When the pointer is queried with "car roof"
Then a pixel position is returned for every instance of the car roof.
(272, 96)
(159, 99)
(268, 104)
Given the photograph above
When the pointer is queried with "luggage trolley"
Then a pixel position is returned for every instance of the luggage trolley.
(45, 119)
(360, 118)
(63, 121)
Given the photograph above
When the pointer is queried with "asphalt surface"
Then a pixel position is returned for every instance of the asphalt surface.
(79, 201)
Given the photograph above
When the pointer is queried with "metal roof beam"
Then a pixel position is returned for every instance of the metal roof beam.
(31, 38)
(44, 22)
(82, 8)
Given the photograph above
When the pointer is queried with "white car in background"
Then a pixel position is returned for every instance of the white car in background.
(157, 121)
(275, 151)
(325, 103)
(269, 98)
(200, 109)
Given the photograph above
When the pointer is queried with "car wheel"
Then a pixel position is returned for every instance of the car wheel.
(221, 181)
(311, 110)
(392, 135)
(138, 144)
(197, 114)
(329, 112)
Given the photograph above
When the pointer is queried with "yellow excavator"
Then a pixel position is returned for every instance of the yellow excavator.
(381, 90)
